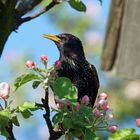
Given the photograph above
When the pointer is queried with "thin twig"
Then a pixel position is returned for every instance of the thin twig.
(47, 8)
(25, 6)
(53, 135)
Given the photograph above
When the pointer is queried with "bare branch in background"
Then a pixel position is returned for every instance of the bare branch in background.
(24, 6)
(47, 8)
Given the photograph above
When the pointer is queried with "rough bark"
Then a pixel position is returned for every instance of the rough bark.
(128, 59)
(112, 34)
(7, 20)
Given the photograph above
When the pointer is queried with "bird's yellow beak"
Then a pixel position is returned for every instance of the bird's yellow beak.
(52, 37)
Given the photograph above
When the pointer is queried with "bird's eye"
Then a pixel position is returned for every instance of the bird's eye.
(63, 38)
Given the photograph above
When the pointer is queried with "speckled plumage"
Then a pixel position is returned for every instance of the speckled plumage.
(75, 66)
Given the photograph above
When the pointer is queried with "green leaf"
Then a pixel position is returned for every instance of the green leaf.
(122, 134)
(25, 109)
(5, 116)
(26, 114)
(85, 109)
(89, 135)
(78, 120)
(23, 79)
(57, 118)
(87, 112)
(132, 137)
(15, 121)
(77, 5)
(63, 88)
(36, 84)
(75, 133)
(89, 126)
(67, 123)
(28, 105)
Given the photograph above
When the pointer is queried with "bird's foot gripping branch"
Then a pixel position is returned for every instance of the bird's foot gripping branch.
(72, 119)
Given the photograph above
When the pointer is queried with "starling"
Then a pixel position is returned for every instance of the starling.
(75, 66)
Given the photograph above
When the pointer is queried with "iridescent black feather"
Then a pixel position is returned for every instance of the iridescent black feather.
(75, 66)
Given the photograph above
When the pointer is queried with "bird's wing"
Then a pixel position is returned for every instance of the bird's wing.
(95, 75)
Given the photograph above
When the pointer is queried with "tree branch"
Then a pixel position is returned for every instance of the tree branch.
(9, 129)
(26, 5)
(47, 8)
(6, 24)
(53, 135)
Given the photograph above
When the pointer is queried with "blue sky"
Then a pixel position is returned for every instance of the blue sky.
(29, 36)
(29, 39)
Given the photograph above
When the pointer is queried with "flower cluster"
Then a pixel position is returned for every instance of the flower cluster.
(44, 59)
(48, 74)
(102, 110)
(101, 113)
(72, 118)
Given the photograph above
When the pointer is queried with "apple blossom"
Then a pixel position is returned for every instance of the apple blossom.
(44, 58)
(30, 64)
(103, 96)
(58, 64)
(4, 90)
(85, 100)
(138, 122)
(97, 113)
(112, 128)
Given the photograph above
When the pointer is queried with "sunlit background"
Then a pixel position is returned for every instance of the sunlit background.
(28, 43)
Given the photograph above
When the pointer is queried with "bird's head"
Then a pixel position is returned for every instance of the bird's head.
(68, 44)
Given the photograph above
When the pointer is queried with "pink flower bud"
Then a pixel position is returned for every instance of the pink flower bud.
(97, 113)
(138, 122)
(105, 106)
(58, 64)
(102, 104)
(103, 96)
(112, 128)
(30, 64)
(78, 106)
(85, 100)
(44, 58)
(4, 90)
(100, 101)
